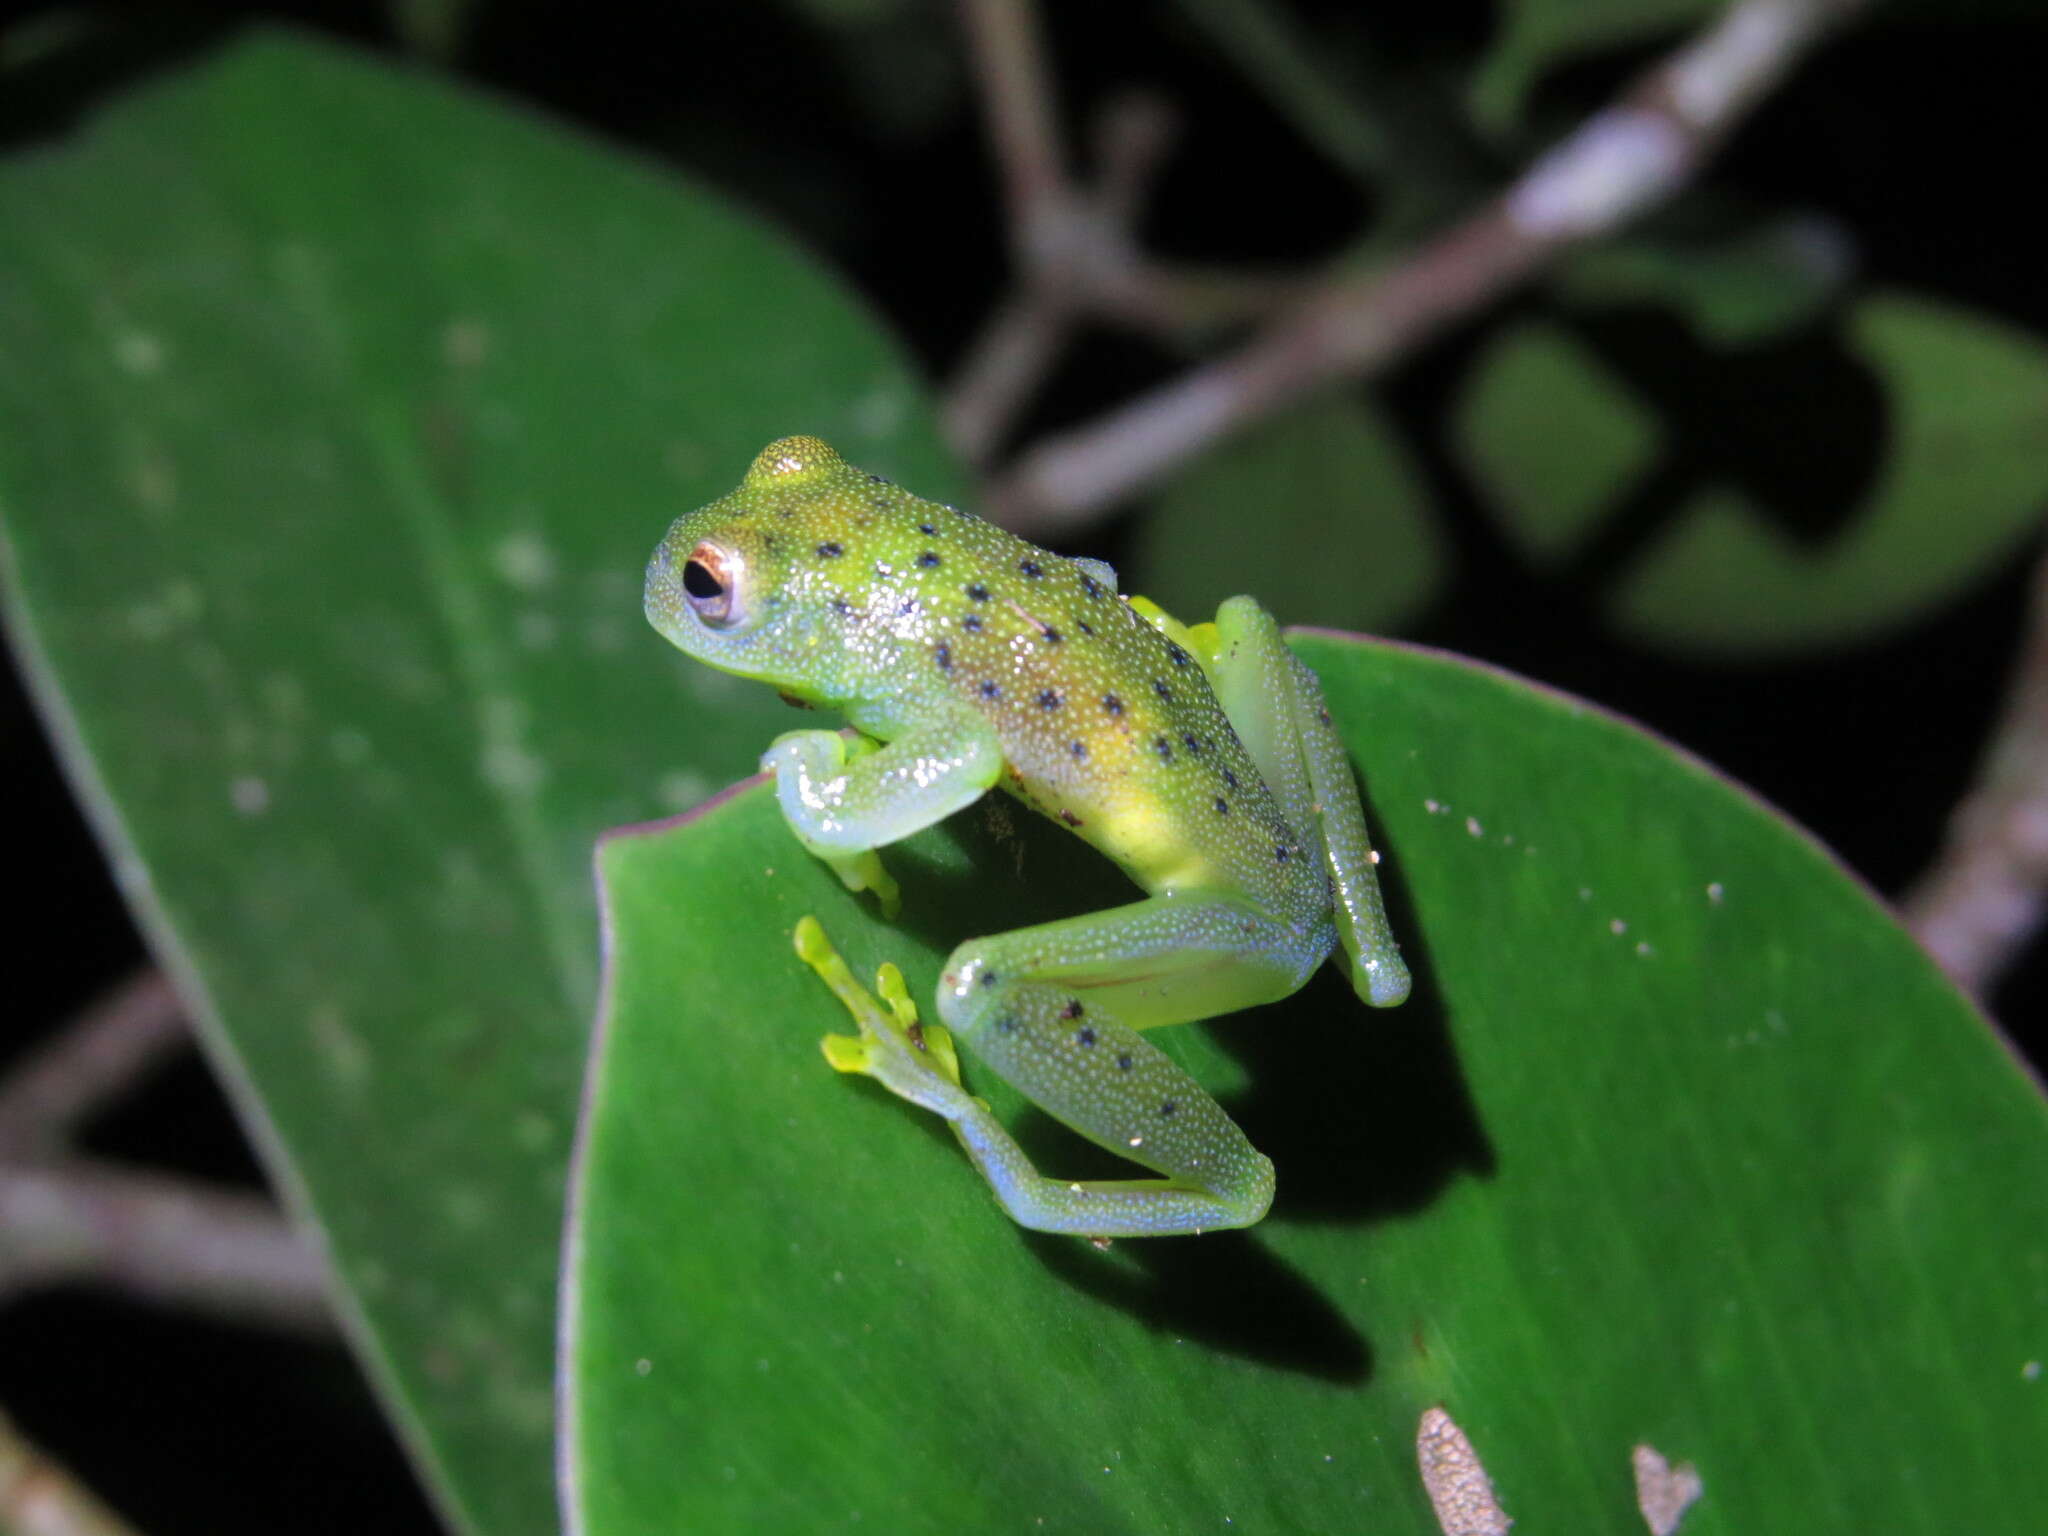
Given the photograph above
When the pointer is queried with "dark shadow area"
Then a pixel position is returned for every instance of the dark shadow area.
(1223, 1291)
(1363, 1110)
(189, 1425)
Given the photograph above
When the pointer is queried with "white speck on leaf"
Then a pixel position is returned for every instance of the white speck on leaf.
(506, 763)
(2031, 1371)
(1473, 828)
(339, 1047)
(605, 634)
(155, 485)
(249, 795)
(1715, 892)
(139, 353)
(683, 789)
(1617, 927)
(525, 561)
(177, 605)
(512, 768)
(536, 630)
(642, 1366)
(879, 413)
(466, 343)
(467, 1207)
(1663, 1492)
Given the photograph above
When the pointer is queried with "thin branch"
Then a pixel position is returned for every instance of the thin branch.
(161, 1238)
(1074, 248)
(90, 1061)
(1987, 892)
(1623, 161)
(40, 1498)
(1008, 52)
(64, 1217)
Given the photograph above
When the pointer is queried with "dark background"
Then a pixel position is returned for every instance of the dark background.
(1920, 137)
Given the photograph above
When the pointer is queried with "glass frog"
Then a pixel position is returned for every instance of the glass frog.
(1201, 760)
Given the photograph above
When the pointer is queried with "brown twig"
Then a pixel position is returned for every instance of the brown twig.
(1074, 247)
(40, 1498)
(103, 1052)
(1986, 894)
(64, 1217)
(1622, 161)
(160, 1238)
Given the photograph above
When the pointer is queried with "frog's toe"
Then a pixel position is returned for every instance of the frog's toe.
(847, 1053)
(893, 1046)
(864, 871)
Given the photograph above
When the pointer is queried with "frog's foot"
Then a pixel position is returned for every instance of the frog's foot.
(864, 871)
(912, 1059)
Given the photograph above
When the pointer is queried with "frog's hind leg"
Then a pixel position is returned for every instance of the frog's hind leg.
(1276, 703)
(1058, 1012)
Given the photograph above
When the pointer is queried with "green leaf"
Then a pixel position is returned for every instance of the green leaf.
(339, 410)
(1736, 291)
(1319, 510)
(1961, 487)
(1552, 437)
(1536, 34)
(1681, 1142)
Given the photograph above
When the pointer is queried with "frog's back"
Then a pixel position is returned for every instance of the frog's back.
(1107, 725)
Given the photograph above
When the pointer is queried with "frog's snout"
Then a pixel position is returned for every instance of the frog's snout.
(662, 598)
(661, 573)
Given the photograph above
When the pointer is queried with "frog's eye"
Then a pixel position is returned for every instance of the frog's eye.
(711, 579)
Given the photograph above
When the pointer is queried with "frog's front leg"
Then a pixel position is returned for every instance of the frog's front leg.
(1057, 1010)
(845, 796)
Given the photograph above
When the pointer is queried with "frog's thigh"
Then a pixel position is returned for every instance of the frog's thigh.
(1056, 1011)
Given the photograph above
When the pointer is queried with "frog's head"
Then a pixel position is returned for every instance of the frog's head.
(735, 583)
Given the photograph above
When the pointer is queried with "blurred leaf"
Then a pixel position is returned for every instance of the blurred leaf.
(432, 28)
(899, 59)
(1963, 483)
(1733, 293)
(1681, 1141)
(339, 411)
(1318, 510)
(1552, 439)
(1534, 35)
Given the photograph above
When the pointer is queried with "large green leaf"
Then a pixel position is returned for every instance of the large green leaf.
(1681, 1142)
(1553, 437)
(338, 413)
(1733, 290)
(1962, 483)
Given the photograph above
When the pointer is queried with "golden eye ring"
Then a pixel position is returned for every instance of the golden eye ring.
(711, 585)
